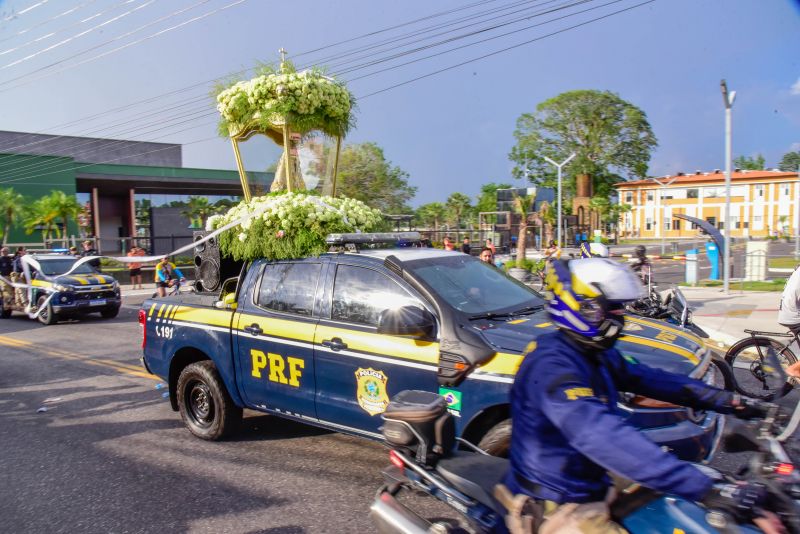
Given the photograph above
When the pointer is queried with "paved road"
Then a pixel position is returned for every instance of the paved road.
(109, 455)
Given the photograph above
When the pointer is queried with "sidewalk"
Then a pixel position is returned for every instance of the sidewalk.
(725, 317)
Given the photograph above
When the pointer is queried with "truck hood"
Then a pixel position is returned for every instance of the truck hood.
(79, 280)
(653, 343)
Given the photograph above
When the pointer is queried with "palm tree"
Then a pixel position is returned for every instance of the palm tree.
(547, 214)
(457, 205)
(11, 204)
(432, 214)
(66, 208)
(41, 215)
(198, 208)
(522, 206)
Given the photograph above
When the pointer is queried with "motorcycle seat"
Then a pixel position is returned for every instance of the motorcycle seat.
(474, 475)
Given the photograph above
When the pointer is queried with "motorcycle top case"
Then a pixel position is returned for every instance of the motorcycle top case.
(418, 422)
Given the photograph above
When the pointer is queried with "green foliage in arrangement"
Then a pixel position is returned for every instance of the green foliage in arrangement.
(307, 100)
(290, 225)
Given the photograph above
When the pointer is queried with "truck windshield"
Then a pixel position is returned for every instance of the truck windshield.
(52, 267)
(472, 286)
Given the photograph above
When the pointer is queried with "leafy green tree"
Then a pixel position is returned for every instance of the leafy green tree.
(609, 212)
(458, 206)
(11, 204)
(366, 175)
(608, 135)
(431, 214)
(487, 200)
(790, 162)
(751, 164)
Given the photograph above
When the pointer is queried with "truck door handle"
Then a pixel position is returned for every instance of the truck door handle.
(253, 329)
(334, 344)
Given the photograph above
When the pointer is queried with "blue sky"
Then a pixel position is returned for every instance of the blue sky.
(450, 132)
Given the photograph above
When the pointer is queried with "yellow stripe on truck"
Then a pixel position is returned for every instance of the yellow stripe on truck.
(392, 346)
(663, 346)
(663, 326)
(503, 363)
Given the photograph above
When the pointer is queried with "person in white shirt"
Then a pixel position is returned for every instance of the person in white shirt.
(789, 312)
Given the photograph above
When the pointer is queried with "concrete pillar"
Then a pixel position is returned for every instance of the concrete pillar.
(132, 212)
(96, 217)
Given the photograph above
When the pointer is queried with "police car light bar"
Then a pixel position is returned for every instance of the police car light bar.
(378, 237)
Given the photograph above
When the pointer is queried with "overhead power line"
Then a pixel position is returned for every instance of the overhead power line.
(86, 142)
(201, 115)
(128, 45)
(46, 21)
(29, 8)
(239, 72)
(70, 39)
(120, 37)
(506, 49)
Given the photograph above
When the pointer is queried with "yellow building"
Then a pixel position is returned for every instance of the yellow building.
(763, 203)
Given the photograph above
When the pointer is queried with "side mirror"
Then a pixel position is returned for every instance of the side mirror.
(407, 321)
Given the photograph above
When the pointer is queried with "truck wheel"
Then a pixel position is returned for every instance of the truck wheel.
(205, 406)
(46, 315)
(109, 313)
(497, 440)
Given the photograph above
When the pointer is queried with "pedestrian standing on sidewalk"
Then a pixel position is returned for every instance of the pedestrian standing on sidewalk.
(136, 267)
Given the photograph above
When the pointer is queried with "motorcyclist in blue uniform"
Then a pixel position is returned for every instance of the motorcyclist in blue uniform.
(568, 433)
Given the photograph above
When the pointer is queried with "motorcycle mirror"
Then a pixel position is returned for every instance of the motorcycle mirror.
(740, 438)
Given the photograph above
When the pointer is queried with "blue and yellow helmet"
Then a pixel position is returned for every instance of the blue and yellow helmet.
(586, 298)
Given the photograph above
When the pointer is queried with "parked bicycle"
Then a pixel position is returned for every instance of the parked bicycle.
(746, 359)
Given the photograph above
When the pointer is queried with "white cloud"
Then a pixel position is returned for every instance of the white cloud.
(796, 87)
(795, 147)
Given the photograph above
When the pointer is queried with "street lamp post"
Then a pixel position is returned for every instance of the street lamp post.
(559, 166)
(797, 224)
(728, 99)
(663, 208)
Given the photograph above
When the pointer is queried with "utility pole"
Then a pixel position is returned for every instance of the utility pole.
(559, 166)
(663, 185)
(797, 210)
(728, 99)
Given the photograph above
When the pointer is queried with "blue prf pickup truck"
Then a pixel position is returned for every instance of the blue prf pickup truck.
(329, 340)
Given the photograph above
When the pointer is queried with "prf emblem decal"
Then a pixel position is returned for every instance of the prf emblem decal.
(371, 391)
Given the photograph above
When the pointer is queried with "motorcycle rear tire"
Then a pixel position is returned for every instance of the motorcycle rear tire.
(497, 441)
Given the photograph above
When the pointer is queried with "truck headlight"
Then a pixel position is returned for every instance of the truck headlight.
(62, 287)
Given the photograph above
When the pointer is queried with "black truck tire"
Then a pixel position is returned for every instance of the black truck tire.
(46, 316)
(110, 313)
(497, 441)
(205, 405)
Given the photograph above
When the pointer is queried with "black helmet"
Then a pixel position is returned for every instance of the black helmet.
(641, 251)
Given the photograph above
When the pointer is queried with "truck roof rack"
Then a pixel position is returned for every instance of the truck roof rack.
(350, 242)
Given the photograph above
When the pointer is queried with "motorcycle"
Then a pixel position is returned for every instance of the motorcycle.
(673, 308)
(420, 432)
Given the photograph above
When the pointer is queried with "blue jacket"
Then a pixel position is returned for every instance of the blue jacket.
(567, 430)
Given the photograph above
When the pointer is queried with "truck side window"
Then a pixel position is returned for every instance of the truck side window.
(289, 287)
(360, 295)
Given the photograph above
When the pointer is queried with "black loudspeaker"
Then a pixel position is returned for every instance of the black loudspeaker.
(211, 269)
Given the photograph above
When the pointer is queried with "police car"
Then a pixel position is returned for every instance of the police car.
(82, 291)
(329, 340)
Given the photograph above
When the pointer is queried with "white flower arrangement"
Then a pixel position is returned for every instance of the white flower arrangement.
(289, 225)
(306, 101)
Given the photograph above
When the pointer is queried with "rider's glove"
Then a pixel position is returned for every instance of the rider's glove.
(738, 499)
(749, 408)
